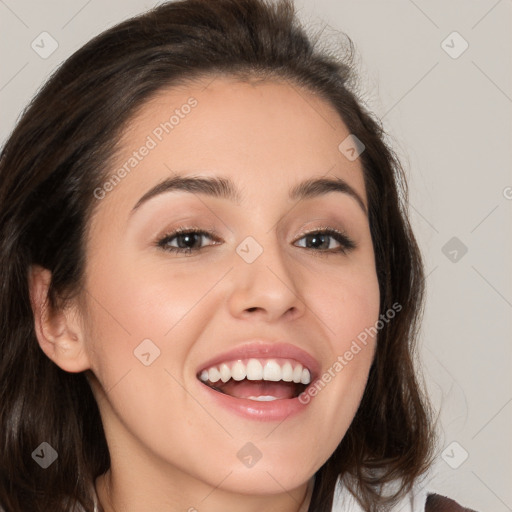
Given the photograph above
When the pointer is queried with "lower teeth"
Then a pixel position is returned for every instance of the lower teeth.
(260, 398)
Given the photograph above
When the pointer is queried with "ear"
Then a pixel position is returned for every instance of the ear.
(59, 332)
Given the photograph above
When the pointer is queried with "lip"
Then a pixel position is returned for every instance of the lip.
(276, 410)
(265, 350)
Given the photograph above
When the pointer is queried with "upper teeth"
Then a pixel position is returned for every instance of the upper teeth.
(255, 369)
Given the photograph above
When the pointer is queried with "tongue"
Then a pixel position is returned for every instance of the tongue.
(250, 388)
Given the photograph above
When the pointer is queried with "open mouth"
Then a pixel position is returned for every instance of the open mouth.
(258, 379)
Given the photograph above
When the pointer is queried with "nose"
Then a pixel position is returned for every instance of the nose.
(267, 287)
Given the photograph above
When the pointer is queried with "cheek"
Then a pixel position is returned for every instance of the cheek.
(132, 302)
(152, 298)
(347, 303)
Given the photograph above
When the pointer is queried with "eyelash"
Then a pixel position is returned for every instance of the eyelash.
(346, 243)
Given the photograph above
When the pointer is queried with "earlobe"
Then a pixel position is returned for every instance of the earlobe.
(58, 331)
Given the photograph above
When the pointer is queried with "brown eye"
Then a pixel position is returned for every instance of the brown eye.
(189, 240)
(184, 240)
(322, 241)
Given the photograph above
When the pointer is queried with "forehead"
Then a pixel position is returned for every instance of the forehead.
(266, 136)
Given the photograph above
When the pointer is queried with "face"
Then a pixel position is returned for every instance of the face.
(272, 289)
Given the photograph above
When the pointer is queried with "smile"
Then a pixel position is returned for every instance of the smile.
(258, 379)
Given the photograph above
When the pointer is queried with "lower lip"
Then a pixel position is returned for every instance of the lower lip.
(274, 410)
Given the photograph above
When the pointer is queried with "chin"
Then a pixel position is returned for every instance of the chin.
(265, 480)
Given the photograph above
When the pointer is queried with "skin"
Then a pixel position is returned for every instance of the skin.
(170, 448)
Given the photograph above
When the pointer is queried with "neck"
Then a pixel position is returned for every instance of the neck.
(114, 496)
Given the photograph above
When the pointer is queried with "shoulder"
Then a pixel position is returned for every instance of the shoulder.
(419, 499)
(438, 503)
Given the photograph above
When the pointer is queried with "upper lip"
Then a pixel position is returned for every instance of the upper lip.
(268, 350)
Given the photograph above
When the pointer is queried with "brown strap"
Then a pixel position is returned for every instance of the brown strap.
(438, 503)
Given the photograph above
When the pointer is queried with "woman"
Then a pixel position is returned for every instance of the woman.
(210, 287)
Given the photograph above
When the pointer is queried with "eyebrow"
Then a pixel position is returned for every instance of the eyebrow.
(225, 188)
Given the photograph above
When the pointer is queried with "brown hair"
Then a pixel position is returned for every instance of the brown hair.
(60, 152)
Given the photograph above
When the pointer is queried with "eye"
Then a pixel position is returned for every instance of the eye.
(322, 239)
(188, 240)
(184, 240)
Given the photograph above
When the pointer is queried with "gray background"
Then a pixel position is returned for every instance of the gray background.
(450, 120)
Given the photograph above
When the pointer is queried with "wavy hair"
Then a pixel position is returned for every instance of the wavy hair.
(60, 151)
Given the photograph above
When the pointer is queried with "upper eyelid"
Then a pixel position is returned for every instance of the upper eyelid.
(213, 234)
(210, 231)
